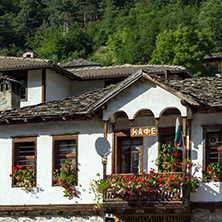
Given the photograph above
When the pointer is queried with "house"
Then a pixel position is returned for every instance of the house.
(213, 59)
(46, 133)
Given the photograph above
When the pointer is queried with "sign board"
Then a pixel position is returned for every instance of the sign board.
(154, 218)
(145, 131)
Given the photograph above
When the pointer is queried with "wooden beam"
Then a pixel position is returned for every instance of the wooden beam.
(185, 151)
(43, 85)
(113, 148)
(105, 129)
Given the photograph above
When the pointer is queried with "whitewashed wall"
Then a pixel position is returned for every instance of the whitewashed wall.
(34, 85)
(144, 96)
(89, 161)
(57, 86)
(208, 191)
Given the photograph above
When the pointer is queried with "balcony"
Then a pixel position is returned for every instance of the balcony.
(146, 196)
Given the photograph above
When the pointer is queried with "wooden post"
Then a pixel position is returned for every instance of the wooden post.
(104, 162)
(105, 129)
(113, 148)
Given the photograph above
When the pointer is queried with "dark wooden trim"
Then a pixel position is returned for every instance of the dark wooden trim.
(105, 129)
(206, 205)
(113, 148)
(59, 137)
(24, 137)
(43, 85)
(50, 207)
(21, 140)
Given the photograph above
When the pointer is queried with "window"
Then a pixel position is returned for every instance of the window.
(21, 77)
(128, 153)
(24, 151)
(65, 148)
(212, 145)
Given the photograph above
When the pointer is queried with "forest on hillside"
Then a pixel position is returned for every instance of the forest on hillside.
(111, 32)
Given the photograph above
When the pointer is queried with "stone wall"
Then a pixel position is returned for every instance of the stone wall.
(207, 215)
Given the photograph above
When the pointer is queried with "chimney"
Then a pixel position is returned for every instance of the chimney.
(9, 93)
(30, 54)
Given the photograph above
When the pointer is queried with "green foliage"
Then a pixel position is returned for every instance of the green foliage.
(58, 46)
(184, 46)
(23, 177)
(210, 19)
(214, 172)
(169, 159)
(66, 178)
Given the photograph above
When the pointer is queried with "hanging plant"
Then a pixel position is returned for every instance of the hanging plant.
(66, 178)
(23, 177)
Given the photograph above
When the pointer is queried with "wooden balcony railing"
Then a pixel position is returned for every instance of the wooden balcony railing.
(154, 194)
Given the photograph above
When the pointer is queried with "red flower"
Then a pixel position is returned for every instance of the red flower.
(10, 175)
(188, 179)
(108, 185)
(69, 179)
(173, 170)
(172, 153)
(190, 164)
(143, 173)
(24, 175)
(61, 182)
(170, 162)
(176, 154)
(20, 167)
(111, 174)
(67, 191)
(137, 181)
(30, 167)
(149, 176)
(55, 181)
(126, 176)
(14, 169)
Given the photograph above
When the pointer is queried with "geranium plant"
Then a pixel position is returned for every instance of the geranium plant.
(169, 159)
(191, 185)
(23, 177)
(214, 172)
(66, 178)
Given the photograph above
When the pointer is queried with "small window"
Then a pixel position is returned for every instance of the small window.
(65, 148)
(24, 152)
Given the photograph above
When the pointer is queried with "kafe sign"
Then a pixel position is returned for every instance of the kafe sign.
(145, 131)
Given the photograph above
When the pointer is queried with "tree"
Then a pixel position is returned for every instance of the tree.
(58, 46)
(210, 19)
(185, 46)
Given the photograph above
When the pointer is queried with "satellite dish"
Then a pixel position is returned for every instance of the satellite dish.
(102, 146)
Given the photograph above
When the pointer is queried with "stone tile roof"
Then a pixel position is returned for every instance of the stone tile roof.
(205, 90)
(213, 55)
(67, 107)
(78, 63)
(122, 70)
(7, 62)
(199, 92)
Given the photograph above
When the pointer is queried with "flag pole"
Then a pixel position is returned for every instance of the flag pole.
(185, 150)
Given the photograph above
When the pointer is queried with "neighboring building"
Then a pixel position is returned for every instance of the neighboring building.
(79, 63)
(214, 59)
(143, 96)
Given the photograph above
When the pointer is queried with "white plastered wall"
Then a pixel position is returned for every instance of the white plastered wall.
(89, 161)
(57, 86)
(145, 96)
(141, 96)
(34, 85)
(212, 191)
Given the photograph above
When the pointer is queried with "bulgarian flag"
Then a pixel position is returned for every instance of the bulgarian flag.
(179, 142)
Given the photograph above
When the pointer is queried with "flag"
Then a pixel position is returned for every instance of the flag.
(179, 141)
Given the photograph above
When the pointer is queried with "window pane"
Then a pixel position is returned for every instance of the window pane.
(126, 162)
(136, 145)
(135, 162)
